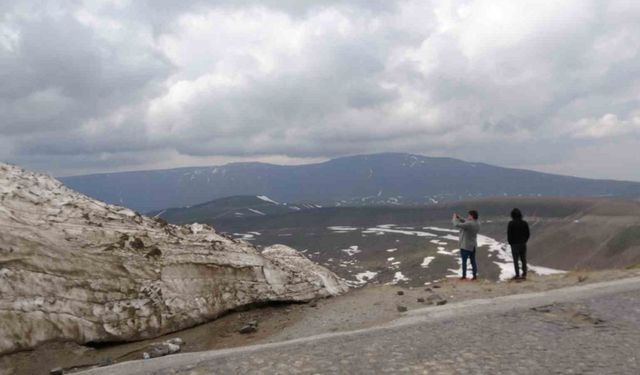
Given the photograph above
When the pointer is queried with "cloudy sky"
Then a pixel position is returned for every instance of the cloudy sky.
(106, 85)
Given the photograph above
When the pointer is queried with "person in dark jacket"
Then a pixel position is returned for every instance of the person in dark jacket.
(518, 235)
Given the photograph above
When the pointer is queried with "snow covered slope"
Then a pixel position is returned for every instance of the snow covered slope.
(73, 268)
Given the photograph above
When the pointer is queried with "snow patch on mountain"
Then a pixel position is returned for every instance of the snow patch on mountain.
(266, 199)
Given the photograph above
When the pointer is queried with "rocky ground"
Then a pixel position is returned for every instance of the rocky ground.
(370, 306)
(586, 329)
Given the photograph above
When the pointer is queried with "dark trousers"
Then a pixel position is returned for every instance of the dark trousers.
(468, 254)
(519, 252)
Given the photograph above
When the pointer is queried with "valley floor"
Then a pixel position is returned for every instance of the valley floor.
(369, 306)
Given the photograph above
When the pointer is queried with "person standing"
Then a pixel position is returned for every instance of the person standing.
(468, 238)
(517, 236)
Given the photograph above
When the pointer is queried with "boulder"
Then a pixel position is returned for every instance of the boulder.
(250, 327)
(160, 349)
(129, 278)
(436, 299)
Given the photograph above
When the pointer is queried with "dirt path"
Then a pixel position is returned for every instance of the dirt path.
(360, 308)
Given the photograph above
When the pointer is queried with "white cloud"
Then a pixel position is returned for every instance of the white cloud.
(607, 126)
(119, 83)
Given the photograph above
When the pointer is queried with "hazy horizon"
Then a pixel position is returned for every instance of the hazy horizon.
(307, 162)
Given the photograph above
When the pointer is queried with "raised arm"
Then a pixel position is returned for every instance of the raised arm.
(460, 223)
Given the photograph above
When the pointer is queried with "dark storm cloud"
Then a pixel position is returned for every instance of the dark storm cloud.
(102, 85)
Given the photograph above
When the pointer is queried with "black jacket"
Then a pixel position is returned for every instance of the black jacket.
(518, 232)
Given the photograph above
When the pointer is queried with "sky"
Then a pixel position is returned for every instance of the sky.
(112, 85)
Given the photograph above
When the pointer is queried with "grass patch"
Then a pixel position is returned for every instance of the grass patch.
(628, 237)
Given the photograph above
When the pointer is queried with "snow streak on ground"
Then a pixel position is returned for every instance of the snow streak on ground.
(437, 229)
(267, 199)
(352, 250)
(364, 277)
(341, 229)
(502, 251)
(441, 250)
(450, 237)
(379, 229)
(427, 261)
(398, 277)
(249, 236)
(244, 236)
(446, 241)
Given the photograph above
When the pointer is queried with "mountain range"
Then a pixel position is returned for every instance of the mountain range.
(377, 179)
(236, 207)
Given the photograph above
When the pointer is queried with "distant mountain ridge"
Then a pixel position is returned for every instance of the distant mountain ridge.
(236, 207)
(378, 179)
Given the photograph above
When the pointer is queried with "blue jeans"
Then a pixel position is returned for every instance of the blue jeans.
(468, 254)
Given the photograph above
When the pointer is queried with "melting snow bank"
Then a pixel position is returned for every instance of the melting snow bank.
(291, 260)
(502, 251)
(84, 271)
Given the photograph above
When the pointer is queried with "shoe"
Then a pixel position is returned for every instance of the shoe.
(524, 277)
(474, 278)
(515, 278)
(463, 278)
